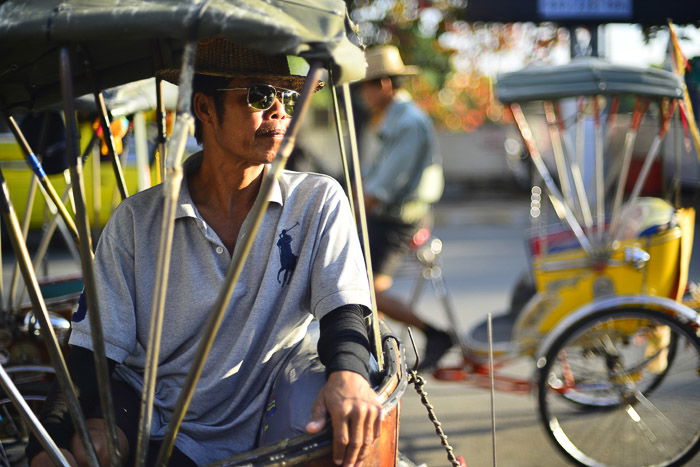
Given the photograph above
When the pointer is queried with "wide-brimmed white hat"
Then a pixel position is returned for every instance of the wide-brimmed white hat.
(385, 61)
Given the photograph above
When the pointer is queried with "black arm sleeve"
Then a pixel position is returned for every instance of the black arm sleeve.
(344, 344)
(54, 414)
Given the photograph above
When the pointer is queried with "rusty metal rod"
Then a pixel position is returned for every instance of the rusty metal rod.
(86, 254)
(376, 337)
(184, 124)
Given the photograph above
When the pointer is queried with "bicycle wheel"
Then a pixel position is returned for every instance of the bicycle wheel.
(634, 376)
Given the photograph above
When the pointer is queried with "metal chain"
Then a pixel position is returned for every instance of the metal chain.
(418, 382)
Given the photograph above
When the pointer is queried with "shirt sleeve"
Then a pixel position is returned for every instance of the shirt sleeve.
(338, 272)
(402, 147)
(114, 278)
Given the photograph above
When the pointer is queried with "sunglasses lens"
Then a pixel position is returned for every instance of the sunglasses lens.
(261, 96)
(289, 99)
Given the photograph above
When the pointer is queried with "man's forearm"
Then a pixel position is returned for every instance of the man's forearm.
(343, 344)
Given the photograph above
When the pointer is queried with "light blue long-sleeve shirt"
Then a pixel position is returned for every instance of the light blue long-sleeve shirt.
(407, 146)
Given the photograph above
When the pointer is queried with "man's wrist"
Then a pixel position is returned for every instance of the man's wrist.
(344, 344)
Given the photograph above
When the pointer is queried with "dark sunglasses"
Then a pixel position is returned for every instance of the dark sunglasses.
(262, 96)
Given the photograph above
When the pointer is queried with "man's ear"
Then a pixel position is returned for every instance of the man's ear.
(203, 108)
(386, 84)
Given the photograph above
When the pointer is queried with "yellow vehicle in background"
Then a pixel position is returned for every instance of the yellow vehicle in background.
(134, 139)
(614, 340)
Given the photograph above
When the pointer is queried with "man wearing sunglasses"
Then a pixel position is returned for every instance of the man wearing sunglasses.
(262, 381)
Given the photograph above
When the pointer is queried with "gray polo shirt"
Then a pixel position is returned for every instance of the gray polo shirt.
(305, 262)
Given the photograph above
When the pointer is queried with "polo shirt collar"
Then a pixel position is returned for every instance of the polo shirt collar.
(186, 207)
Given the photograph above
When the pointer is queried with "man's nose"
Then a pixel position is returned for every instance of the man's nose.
(277, 110)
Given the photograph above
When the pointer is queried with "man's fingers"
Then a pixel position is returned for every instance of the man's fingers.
(341, 436)
(371, 432)
(378, 421)
(318, 417)
(356, 429)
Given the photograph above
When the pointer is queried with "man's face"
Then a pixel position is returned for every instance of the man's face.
(244, 133)
(376, 93)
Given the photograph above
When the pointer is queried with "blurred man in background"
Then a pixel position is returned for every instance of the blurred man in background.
(402, 181)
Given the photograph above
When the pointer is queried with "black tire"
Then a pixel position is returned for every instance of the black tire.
(634, 378)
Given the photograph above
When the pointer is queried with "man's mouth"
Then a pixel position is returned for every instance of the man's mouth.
(269, 133)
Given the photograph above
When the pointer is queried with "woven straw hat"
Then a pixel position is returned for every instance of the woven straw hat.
(384, 61)
(221, 57)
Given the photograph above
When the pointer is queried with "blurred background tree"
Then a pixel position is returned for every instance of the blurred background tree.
(458, 59)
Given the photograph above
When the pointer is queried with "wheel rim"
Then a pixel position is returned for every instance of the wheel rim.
(616, 391)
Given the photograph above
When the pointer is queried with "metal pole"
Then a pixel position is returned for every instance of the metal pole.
(575, 171)
(599, 166)
(648, 160)
(86, 255)
(489, 323)
(440, 288)
(559, 156)
(35, 165)
(109, 140)
(640, 108)
(53, 222)
(11, 222)
(541, 167)
(41, 434)
(14, 282)
(171, 191)
(236, 267)
(341, 123)
(376, 335)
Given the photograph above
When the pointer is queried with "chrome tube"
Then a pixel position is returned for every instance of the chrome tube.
(640, 108)
(41, 434)
(340, 123)
(236, 267)
(13, 303)
(563, 168)
(184, 124)
(576, 175)
(86, 254)
(646, 166)
(541, 167)
(50, 227)
(47, 235)
(38, 170)
(599, 166)
(376, 338)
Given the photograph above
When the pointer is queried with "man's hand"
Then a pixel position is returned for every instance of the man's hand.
(355, 415)
(44, 460)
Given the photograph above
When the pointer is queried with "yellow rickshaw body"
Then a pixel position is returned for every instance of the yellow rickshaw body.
(567, 280)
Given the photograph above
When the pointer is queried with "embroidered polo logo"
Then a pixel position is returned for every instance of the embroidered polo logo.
(288, 260)
(81, 312)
